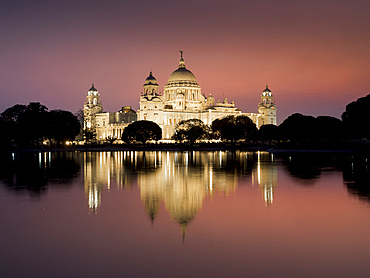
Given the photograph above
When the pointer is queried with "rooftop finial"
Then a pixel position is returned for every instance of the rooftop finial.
(182, 62)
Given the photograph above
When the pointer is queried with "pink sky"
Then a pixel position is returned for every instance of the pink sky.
(313, 54)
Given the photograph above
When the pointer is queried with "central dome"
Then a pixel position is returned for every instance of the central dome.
(182, 74)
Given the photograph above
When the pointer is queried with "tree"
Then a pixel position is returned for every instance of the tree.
(192, 130)
(268, 132)
(111, 139)
(11, 123)
(89, 135)
(328, 128)
(25, 124)
(63, 126)
(28, 125)
(34, 123)
(355, 118)
(298, 127)
(142, 131)
(234, 128)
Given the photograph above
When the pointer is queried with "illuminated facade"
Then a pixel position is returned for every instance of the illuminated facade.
(182, 100)
(105, 124)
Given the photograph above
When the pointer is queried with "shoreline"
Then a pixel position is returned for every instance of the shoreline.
(356, 148)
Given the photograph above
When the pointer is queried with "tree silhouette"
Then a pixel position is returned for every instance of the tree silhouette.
(192, 130)
(355, 118)
(302, 128)
(234, 128)
(268, 132)
(89, 135)
(63, 126)
(142, 131)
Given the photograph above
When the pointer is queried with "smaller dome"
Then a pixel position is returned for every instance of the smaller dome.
(93, 88)
(150, 80)
(267, 89)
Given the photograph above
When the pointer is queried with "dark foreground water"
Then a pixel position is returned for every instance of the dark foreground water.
(184, 214)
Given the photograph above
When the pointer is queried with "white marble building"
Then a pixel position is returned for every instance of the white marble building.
(182, 100)
(105, 124)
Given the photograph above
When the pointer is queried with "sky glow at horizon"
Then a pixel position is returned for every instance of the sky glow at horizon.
(312, 54)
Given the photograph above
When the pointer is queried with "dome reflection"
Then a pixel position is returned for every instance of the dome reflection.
(179, 180)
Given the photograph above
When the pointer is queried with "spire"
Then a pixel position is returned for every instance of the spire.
(93, 88)
(182, 61)
(267, 89)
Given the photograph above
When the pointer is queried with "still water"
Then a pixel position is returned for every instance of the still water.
(184, 214)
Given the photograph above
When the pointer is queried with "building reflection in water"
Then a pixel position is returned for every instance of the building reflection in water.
(181, 180)
(265, 175)
(100, 170)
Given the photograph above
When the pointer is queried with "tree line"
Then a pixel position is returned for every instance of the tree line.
(33, 124)
(297, 128)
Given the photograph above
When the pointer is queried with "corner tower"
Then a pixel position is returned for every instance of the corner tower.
(92, 106)
(267, 108)
(150, 86)
(151, 104)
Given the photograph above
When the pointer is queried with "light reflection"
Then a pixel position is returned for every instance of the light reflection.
(266, 176)
(181, 180)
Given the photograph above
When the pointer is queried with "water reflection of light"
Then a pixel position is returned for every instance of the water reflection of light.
(259, 168)
(266, 172)
(211, 179)
(181, 180)
(45, 159)
(94, 197)
(108, 169)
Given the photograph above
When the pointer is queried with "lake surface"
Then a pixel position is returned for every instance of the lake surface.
(184, 214)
